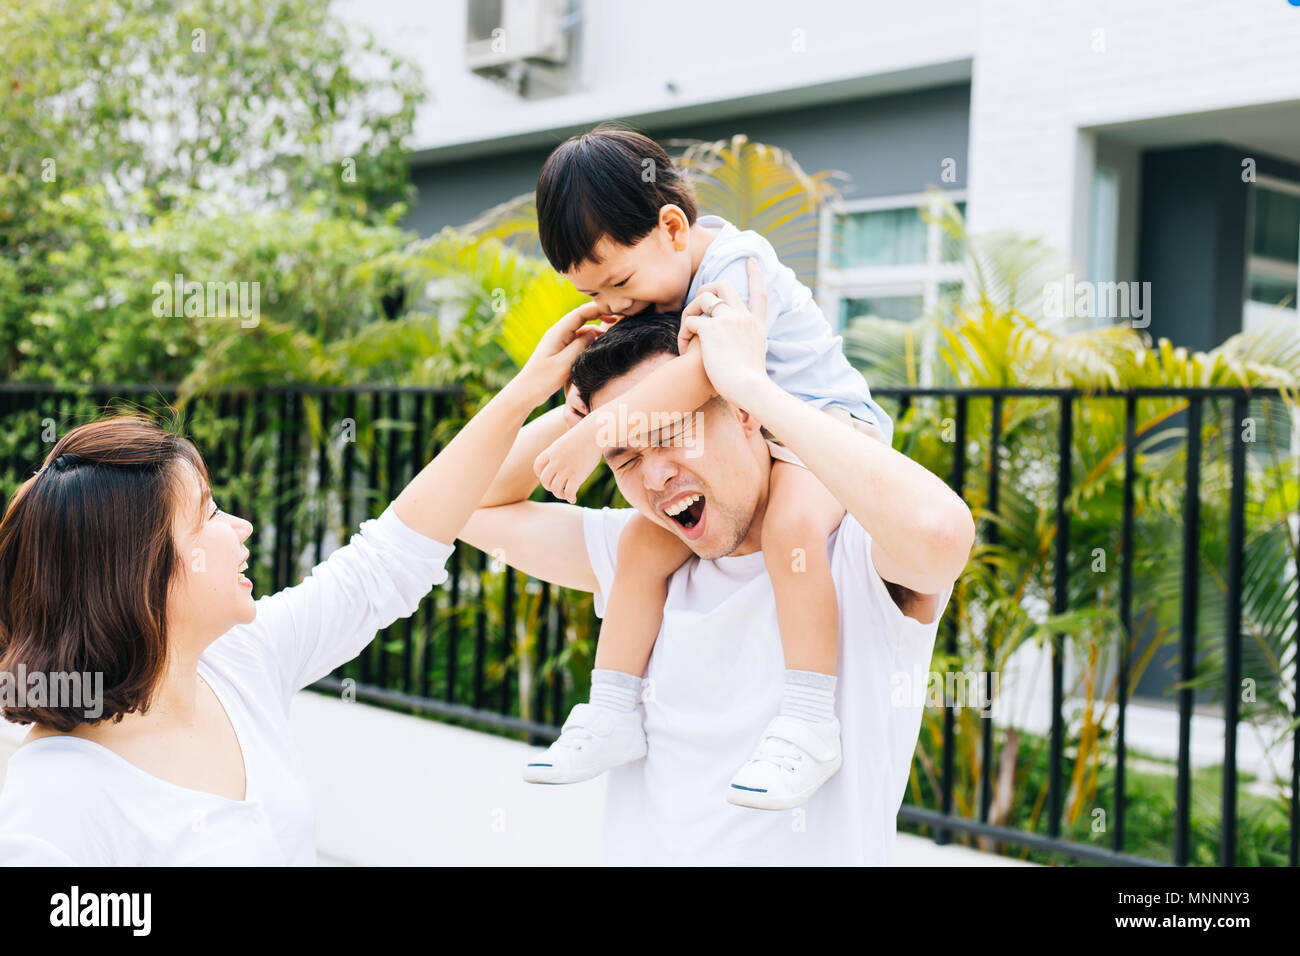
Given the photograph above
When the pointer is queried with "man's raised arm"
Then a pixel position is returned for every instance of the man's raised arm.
(921, 531)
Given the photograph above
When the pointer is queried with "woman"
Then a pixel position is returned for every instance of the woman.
(115, 562)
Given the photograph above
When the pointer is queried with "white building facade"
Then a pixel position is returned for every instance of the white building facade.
(1100, 127)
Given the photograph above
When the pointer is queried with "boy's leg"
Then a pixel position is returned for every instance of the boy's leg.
(606, 731)
(647, 557)
(800, 516)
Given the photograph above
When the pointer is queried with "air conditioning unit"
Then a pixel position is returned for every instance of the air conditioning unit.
(502, 33)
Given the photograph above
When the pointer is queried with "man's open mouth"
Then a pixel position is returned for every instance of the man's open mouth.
(687, 511)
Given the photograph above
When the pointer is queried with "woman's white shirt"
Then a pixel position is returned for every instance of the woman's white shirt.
(69, 801)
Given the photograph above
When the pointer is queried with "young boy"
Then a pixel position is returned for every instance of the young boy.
(618, 220)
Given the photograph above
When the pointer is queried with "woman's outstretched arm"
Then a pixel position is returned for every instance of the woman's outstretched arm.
(302, 633)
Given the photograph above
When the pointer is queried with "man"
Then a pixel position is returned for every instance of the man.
(716, 673)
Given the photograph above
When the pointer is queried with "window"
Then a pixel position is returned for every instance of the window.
(1273, 262)
(1103, 247)
(880, 257)
(1273, 257)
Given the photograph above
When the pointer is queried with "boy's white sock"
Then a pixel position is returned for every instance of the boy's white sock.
(615, 690)
(809, 696)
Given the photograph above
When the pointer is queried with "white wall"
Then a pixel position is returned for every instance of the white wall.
(1036, 82)
(1043, 74)
(708, 51)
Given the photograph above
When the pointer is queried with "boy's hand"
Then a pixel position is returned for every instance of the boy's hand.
(566, 464)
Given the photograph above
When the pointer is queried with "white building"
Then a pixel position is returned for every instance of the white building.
(1126, 133)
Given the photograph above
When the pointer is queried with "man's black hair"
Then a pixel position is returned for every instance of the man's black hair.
(608, 182)
(623, 347)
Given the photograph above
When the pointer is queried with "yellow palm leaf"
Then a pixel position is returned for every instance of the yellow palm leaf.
(538, 306)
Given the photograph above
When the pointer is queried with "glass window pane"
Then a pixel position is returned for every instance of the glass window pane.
(1273, 291)
(903, 308)
(1276, 225)
(951, 251)
(1105, 225)
(950, 296)
(882, 237)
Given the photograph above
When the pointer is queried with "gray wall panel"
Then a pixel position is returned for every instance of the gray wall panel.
(887, 144)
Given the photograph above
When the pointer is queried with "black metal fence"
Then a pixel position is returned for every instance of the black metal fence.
(1194, 399)
(495, 649)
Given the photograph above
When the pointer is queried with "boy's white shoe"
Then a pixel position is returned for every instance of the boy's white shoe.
(794, 758)
(592, 740)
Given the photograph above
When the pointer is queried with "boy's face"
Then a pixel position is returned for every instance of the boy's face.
(651, 276)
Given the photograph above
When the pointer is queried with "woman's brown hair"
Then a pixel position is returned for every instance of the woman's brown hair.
(87, 557)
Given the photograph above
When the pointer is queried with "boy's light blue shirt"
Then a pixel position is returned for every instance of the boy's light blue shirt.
(804, 355)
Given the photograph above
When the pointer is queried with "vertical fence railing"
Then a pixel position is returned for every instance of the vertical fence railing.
(941, 822)
(1187, 634)
(468, 651)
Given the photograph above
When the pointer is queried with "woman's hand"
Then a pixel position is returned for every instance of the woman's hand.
(547, 369)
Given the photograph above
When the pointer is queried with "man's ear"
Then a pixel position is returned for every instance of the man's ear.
(748, 423)
(676, 226)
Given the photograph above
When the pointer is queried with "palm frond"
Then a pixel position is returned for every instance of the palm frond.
(761, 187)
(513, 223)
(887, 352)
(534, 310)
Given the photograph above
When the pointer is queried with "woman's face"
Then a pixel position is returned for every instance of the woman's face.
(211, 595)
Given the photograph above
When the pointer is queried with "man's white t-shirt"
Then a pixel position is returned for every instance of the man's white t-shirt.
(715, 680)
(69, 801)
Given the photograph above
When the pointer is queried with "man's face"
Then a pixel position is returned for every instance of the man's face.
(721, 458)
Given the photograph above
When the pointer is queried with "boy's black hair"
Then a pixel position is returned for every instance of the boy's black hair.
(608, 182)
(623, 347)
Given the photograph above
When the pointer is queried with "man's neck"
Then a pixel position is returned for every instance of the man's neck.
(753, 540)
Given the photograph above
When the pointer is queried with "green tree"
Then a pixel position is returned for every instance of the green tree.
(127, 123)
(254, 100)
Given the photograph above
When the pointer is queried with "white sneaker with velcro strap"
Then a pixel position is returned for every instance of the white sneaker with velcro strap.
(794, 758)
(592, 740)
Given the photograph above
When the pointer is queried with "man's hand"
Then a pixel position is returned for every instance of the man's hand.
(566, 464)
(732, 335)
(547, 369)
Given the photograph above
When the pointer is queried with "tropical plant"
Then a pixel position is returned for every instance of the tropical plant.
(993, 337)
